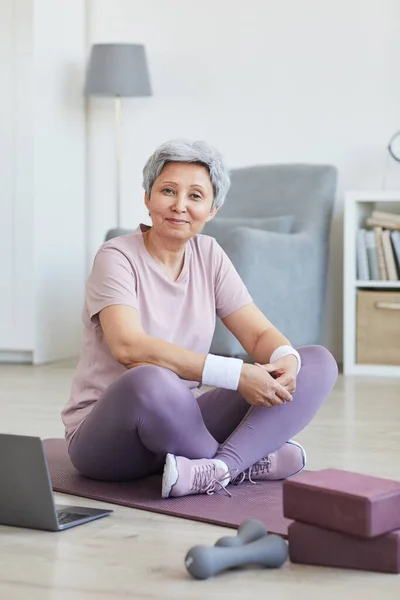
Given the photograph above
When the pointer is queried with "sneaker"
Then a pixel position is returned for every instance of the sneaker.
(285, 462)
(183, 476)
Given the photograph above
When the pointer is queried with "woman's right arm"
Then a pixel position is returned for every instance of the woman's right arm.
(132, 347)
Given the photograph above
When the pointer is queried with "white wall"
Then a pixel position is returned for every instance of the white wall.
(7, 161)
(42, 179)
(266, 82)
(59, 176)
(16, 176)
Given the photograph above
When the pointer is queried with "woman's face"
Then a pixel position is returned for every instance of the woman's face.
(180, 201)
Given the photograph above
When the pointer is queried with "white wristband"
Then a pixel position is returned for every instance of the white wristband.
(222, 372)
(284, 351)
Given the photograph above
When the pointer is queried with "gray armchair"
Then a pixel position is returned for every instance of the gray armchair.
(284, 272)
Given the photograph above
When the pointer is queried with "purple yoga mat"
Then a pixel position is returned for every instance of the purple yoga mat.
(262, 501)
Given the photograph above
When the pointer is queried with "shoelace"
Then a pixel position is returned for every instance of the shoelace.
(205, 479)
(258, 468)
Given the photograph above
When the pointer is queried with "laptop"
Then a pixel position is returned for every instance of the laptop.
(26, 494)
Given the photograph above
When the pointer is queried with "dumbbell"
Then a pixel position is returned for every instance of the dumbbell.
(248, 531)
(270, 551)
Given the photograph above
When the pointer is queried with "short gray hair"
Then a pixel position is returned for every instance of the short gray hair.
(184, 151)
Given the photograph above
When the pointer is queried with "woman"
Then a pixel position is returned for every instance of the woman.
(149, 316)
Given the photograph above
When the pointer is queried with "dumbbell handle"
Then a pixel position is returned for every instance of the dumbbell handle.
(204, 561)
(248, 531)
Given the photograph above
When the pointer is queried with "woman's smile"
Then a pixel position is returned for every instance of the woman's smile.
(177, 221)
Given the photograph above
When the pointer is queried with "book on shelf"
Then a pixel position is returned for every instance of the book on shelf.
(385, 223)
(372, 255)
(378, 254)
(379, 249)
(387, 220)
(386, 216)
(363, 271)
(395, 235)
(389, 256)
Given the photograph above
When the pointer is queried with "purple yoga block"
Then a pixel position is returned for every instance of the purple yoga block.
(352, 503)
(313, 545)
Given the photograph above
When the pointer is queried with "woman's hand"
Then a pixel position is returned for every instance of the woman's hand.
(259, 388)
(284, 370)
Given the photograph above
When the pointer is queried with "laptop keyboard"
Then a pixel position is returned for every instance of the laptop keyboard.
(67, 517)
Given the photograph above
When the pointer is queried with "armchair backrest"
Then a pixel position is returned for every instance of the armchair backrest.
(306, 191)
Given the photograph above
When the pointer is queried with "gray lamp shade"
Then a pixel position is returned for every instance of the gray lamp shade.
(117, 70)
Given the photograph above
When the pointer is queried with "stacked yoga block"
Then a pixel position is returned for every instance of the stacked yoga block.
(343, 519)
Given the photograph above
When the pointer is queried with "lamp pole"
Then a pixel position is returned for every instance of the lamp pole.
(118, 110)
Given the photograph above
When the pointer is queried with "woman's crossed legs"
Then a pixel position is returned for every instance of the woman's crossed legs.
(149, 412)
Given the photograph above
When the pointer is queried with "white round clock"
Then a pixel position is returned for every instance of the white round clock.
(394, 146)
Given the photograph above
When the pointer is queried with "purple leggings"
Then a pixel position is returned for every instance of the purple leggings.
(149, 411)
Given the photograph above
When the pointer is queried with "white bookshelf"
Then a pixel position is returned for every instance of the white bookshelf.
(358, 206)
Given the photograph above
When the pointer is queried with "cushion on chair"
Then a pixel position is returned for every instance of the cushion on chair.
(277, 269)
(221, 228)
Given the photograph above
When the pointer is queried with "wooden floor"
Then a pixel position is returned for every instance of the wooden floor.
(135, 554)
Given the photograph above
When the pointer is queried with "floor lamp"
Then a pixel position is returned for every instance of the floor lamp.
(117, 71)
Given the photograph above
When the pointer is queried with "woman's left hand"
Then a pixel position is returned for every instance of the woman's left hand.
(284, 370)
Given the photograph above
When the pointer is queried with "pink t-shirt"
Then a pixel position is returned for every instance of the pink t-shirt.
(181, 312)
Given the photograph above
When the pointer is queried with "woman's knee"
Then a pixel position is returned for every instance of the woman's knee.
(147, 379)
(153, 387)
(320, 361)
